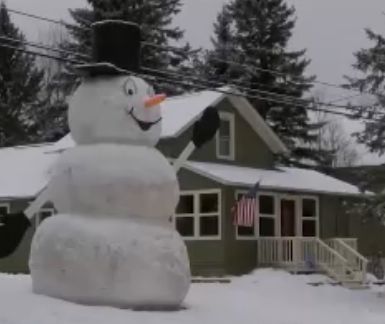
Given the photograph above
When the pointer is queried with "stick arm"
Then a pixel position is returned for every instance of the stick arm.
(37, 204)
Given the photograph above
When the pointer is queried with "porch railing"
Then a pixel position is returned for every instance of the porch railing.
(308, 253)
(356, 262)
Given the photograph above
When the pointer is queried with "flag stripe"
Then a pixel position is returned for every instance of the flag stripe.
(245, 209)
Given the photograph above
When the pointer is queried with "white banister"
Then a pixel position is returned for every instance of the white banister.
(337, 258)
(357, 262)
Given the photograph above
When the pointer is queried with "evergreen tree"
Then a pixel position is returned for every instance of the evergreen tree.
(20, 83)
(255, 34)
(370, 63)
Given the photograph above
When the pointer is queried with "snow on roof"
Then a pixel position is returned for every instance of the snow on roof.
(180, 112)
(282, 178)
(24, 170)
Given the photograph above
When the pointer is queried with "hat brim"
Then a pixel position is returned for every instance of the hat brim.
(95, 69)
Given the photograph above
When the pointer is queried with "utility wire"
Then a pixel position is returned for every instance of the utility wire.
(179, 50)
(41, 54)
(197, 79)
(54, 21)
(42, 46)
(295, 102)
(191, 77)
(253, 90)
(197, 85)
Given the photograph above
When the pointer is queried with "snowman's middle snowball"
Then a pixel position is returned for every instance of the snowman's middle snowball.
(117, 180)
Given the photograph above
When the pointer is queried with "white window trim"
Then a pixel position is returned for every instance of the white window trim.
(6, 205)
(256, 220)
(316, 217)
(196, 215)
(37, 215)
(228, 117)
(276, 216)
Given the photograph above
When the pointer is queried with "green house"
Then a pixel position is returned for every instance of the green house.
(299, 219)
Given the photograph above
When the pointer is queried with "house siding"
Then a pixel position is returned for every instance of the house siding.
(370, 234)
(250, 149)
(334, 220)
(206, 256)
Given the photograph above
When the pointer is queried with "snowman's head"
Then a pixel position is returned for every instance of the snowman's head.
(115, 109)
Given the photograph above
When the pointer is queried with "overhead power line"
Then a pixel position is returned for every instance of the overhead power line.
(44, 47)
(193, 78)
(176, 49)
(169, 80)
(58, 58)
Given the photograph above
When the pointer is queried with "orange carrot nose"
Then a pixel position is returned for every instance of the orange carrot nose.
(154, 101)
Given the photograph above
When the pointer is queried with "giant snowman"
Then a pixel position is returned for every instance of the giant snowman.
(111, 242)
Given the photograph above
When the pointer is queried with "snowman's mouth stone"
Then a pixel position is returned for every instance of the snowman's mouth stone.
(144, 126)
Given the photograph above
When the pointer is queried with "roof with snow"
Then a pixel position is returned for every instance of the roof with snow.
(281, 178)
(24, 170)
(180, 112)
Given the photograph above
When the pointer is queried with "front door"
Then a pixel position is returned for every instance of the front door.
(288, 217)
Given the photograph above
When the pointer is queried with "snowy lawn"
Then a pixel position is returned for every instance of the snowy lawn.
(265, 297)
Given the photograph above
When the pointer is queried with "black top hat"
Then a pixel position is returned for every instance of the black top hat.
(115, 48)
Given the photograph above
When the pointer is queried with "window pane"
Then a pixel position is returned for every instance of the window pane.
(308, 208)
(3, 210)
(266, 205)
(224, 128)
(209, 226)
(245, 231)
(266, 226)
(185, 205)
(308, 227)
(185, 226)
(224, 147)
(209, 203)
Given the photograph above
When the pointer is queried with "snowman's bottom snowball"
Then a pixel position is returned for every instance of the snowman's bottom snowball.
(110, 262)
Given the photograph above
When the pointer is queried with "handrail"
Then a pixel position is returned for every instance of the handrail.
(340, 261)
(332, 251)
(351, 250)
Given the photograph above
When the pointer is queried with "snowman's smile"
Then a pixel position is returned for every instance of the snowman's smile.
(144, 126)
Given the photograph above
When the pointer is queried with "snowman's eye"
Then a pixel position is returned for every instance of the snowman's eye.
(130, 87)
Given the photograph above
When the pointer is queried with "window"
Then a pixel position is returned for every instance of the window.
(265, 223)
(244, 231)
(4, 210)
(225, 145)
(309, 216)
(43, 214)
(266, 215)
(198, 215)
(282, 215)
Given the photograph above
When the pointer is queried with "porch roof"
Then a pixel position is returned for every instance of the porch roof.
(280, 178)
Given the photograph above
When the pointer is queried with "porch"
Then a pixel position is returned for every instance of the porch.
(336, 257)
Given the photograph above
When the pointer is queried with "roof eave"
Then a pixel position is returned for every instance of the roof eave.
(274, 188)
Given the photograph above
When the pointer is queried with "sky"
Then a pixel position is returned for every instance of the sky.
(330, 30)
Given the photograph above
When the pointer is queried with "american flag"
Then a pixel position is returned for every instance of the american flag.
(245, 208)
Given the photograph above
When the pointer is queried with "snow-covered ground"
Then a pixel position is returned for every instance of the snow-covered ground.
(265, 297)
